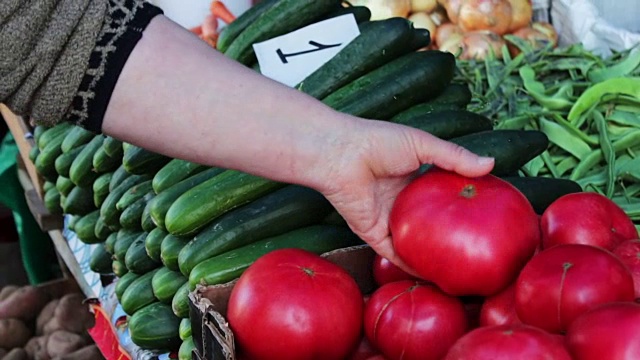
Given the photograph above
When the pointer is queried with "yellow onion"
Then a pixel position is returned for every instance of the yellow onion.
(439, 16)
(537, 35)
(384, 9)
(479, 44)
(422, 20)
(548, 30)
(453, 44)
(423, 5)
(491, 15)
(521, 14)
(446, 31)
(452, 8)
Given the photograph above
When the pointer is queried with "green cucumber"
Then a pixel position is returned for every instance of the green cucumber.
(77, 137)
(131, 217)
(200, 205)
(137, 260)
(448, 124)
(180, 302)
(186, 349)
(281, 18)
(124, 241)
(361, 14)
(45, 163)
(48, 185)
(64, 185)
(165, 284)
(102, 231)
(511, 149)
(185, 329)
(230, 265)
(73, 220)
(133, 194)
(79, 201)
(281, 211)
(123, 283)
(113, 147)
(52, 133)
(395, 86)
(100, 261)
(63, 198)
(421, 39)
(119, 175)
(170, 250)
(108, 210)
(139, 294)
(140, 161)
(110, 242)
(33, 154)
(230, 32)
(153, 243)
(103, 163)
(175, 171)
(52, 201)
(542, 191)
(101, 188)
(38, 131)
(81, 171)
(147, 222)
(379, 42)
(159, 206)
(155, 327)
(118, 268)
(85, 228)
(454, 97)
(64, 161)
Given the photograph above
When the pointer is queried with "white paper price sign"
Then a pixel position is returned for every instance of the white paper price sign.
(292, 57)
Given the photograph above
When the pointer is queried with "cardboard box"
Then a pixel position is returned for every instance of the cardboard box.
(208, 304)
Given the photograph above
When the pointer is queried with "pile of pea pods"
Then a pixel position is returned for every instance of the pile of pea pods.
(588, 106)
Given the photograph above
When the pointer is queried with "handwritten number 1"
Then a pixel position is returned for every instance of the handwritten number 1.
(319, 47)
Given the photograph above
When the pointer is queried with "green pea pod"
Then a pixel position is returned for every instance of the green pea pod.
(623, 68)
(537, 90)
(607, 150)
(592, 96)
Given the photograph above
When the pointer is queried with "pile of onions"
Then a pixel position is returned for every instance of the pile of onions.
(474, 44)
(492, 15)
(384, 9)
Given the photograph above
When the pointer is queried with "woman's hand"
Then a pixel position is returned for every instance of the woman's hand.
(374, 161)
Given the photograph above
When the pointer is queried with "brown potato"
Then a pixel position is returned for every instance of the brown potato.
(90, 352)
(73, 315)
(63, 342)
(16, 354)
(24, 303)
(46, 315)
(7, 290)
(13, 333)
(36, 348)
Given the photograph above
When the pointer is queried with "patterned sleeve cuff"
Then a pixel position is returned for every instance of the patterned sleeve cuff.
(123, 27)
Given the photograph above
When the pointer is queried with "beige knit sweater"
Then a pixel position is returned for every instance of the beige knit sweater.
(59, 59)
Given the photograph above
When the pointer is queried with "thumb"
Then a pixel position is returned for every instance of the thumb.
(450, 156)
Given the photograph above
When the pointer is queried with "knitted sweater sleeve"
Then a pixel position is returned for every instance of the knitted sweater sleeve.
(60, 59)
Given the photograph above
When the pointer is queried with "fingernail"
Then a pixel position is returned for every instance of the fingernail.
(485, 161)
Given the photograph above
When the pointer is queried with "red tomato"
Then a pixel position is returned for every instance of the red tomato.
(608, 332)
(562, 282)
(586, 218)
(384, 271)
(506, 342)
(412, 320)
(469, 236)
(293, 304)
(500, 309)
(629, 252)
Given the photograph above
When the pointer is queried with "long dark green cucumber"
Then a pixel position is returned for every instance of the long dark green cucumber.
(64, 161)
(133, 194)
(230, 32)
(102, 231)
(185, 328)
(45, 162)
(123, 283)
(131, 217)
(52, 200)
(85, 228)
(360, 13)
(283, 210)
(449, 124)
(165, 284)
(542, 191)
(279, 19)
(48, 185)
(159, 206)
(101, 188)
(170, 250)
(511, 149)
(33, 154)
(113, 147)
(140, 161)
(100, 261)
(64, 185)
(396, 86)
(138, 294)
(81, 171)
(118, 268)
(51, 133)
(230, 265)
(79, 201)
(104, 163)
(378, 43)
(78, 136)
(118, 177)
(146, 221)
(155, 327)
(124, 241)
(137, 260)
(453, 97)
(175, 171)
(421, 39)
(153, 243)
(180, 302)
(200, 205)
(108, 209)
(110, 242)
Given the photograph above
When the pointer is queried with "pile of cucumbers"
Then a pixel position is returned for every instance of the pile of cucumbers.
(165, 225)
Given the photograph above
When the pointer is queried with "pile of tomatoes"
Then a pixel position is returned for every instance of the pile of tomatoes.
(487, 278)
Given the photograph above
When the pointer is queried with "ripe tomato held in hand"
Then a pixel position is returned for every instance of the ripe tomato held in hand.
(293, 304)
(500, 309)
(411, 320)
(608, 332)
(561, 283)
(507, 342)
(629, 253)
(586, 218)
(469, 236)
(384, 271)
